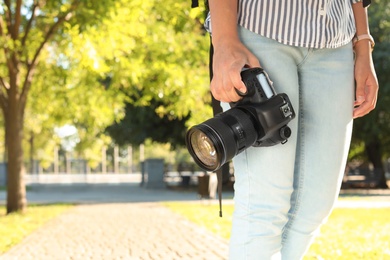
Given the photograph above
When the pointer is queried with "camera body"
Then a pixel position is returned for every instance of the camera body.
(271, 112)
(260, 118)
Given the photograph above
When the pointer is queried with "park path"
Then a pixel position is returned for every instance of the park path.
(126, 221)
(119, 231)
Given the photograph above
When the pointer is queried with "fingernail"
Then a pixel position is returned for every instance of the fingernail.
(243, 90)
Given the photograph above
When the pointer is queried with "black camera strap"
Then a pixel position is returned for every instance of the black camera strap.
(219, 189)
(216, 105)
(194, 3)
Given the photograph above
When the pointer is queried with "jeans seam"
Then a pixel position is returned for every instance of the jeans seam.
(300, 171)
(306, 56)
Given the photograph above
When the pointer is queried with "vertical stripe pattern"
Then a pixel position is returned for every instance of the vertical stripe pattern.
(302, 23)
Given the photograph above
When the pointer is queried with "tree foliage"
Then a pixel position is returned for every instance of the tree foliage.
(164, 58)
(31, 31)
(163, 71)
(142, 122)
(72, 61)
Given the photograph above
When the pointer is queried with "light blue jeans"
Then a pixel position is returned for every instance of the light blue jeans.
(285, 192)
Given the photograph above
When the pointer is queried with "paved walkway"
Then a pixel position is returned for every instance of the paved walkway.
(116, 222)
(125, 221)
(120, 231)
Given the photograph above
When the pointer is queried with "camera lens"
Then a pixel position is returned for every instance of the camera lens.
(219, 139)
(203, 148)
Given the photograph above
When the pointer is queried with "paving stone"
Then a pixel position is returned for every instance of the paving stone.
(120, 231)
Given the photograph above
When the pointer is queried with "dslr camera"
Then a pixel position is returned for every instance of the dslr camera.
(260, 118)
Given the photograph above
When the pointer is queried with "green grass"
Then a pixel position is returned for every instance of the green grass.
(14, 227)
(354, 234)
(4, 188)
(348, 234)
(205, 215)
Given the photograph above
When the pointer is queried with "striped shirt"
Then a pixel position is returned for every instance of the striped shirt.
(302, 23)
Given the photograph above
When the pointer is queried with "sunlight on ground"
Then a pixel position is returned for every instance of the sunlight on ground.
(14, 227)
(350, 233)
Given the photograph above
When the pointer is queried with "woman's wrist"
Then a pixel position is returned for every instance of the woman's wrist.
(363, 40)
(363, 49)
(225, 40)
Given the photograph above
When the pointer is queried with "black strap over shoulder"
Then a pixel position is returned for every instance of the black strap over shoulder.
(194, 3)
(365, 3)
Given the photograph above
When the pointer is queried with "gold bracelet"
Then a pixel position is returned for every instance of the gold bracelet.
(357, 38)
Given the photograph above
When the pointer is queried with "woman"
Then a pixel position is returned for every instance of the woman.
(314, 51)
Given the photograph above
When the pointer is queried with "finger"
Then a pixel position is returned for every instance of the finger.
(230, 91)
(216, 91)
(359, 100)
(370, 99)
(253, 62)
(372, 95)
(226, 93)
(229, 97)
(235, 76)
(233, 96)
(366, 107)
(237, 83)
(360, 93)
(359, 112)
(362, 110)
(215, 94)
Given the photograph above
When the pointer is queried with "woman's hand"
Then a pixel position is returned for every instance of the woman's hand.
(365, 77)
(366, 81)
(230, 57)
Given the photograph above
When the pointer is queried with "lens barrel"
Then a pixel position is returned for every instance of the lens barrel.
(259, 119)
(219, 139)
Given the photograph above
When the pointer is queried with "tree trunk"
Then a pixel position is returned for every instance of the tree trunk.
(16, 190)
(104, 160)
(116, 159)
(129, 159)
(32, 168)
(56, 163)
(374, 154)
(68, 163)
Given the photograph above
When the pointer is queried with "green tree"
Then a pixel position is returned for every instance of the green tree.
(371, 137)
(28, 29)
(163, 71)
(142, 122)
(67, 59)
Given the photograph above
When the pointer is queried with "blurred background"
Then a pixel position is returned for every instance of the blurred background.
(97, 87)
